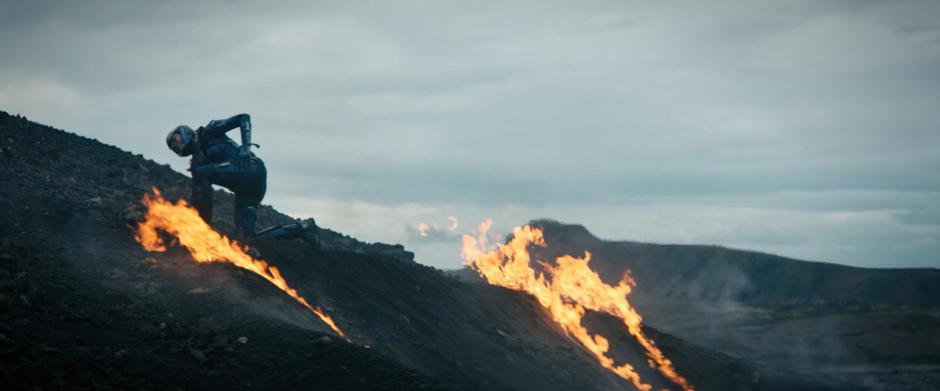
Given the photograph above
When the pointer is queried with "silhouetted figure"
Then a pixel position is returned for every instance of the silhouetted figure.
(218, 160)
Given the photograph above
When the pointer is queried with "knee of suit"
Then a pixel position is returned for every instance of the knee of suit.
(252, 191)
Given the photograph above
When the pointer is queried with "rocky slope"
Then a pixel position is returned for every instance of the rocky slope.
(82, 306)
(878, 327)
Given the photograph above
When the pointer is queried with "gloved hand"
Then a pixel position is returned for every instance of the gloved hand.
(244, 152)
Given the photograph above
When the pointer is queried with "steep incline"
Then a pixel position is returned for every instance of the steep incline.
(83, 305)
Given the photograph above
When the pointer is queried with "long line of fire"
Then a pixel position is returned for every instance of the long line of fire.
(567, 289)
(183, 223)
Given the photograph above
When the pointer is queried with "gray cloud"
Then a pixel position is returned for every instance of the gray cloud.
(795, 111)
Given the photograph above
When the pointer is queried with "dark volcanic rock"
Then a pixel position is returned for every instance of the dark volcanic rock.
(85, 307)
(818, 319)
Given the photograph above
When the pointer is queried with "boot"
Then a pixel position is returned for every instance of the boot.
(310, 232)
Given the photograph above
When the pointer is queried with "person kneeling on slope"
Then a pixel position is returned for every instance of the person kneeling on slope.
(218, 160)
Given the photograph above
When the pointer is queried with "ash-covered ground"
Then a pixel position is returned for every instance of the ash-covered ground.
(874, 327)
(83, 306)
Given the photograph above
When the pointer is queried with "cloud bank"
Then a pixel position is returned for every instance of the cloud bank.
(802, 128)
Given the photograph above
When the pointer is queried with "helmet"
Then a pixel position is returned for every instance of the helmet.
(182, 145)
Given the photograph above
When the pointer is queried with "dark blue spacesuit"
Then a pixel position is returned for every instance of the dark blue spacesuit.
(218, 160)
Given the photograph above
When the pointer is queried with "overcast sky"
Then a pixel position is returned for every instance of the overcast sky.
(806, 129)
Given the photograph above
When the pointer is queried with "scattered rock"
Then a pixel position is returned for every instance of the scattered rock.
(219, 341)
(198, 354)
(147, 328)
(131, 215)
(198, 290)
(391, 250)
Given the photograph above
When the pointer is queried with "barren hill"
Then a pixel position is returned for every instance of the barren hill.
(717, 273)
(83, 306)
(878, 327)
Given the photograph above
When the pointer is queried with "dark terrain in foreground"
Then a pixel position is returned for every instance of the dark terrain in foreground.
(83, 306)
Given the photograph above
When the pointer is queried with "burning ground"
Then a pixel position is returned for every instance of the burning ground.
(85, 306)
(875, 327)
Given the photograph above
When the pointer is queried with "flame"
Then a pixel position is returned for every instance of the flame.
(205, 245)
(567, 289)
(423, 229)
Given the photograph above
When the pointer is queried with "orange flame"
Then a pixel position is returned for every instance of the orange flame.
(423, 229)
(570, 288)
(205, 245)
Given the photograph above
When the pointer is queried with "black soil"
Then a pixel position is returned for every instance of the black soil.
(83, 306)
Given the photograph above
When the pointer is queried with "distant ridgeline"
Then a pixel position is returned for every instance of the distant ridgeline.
(713, 273)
